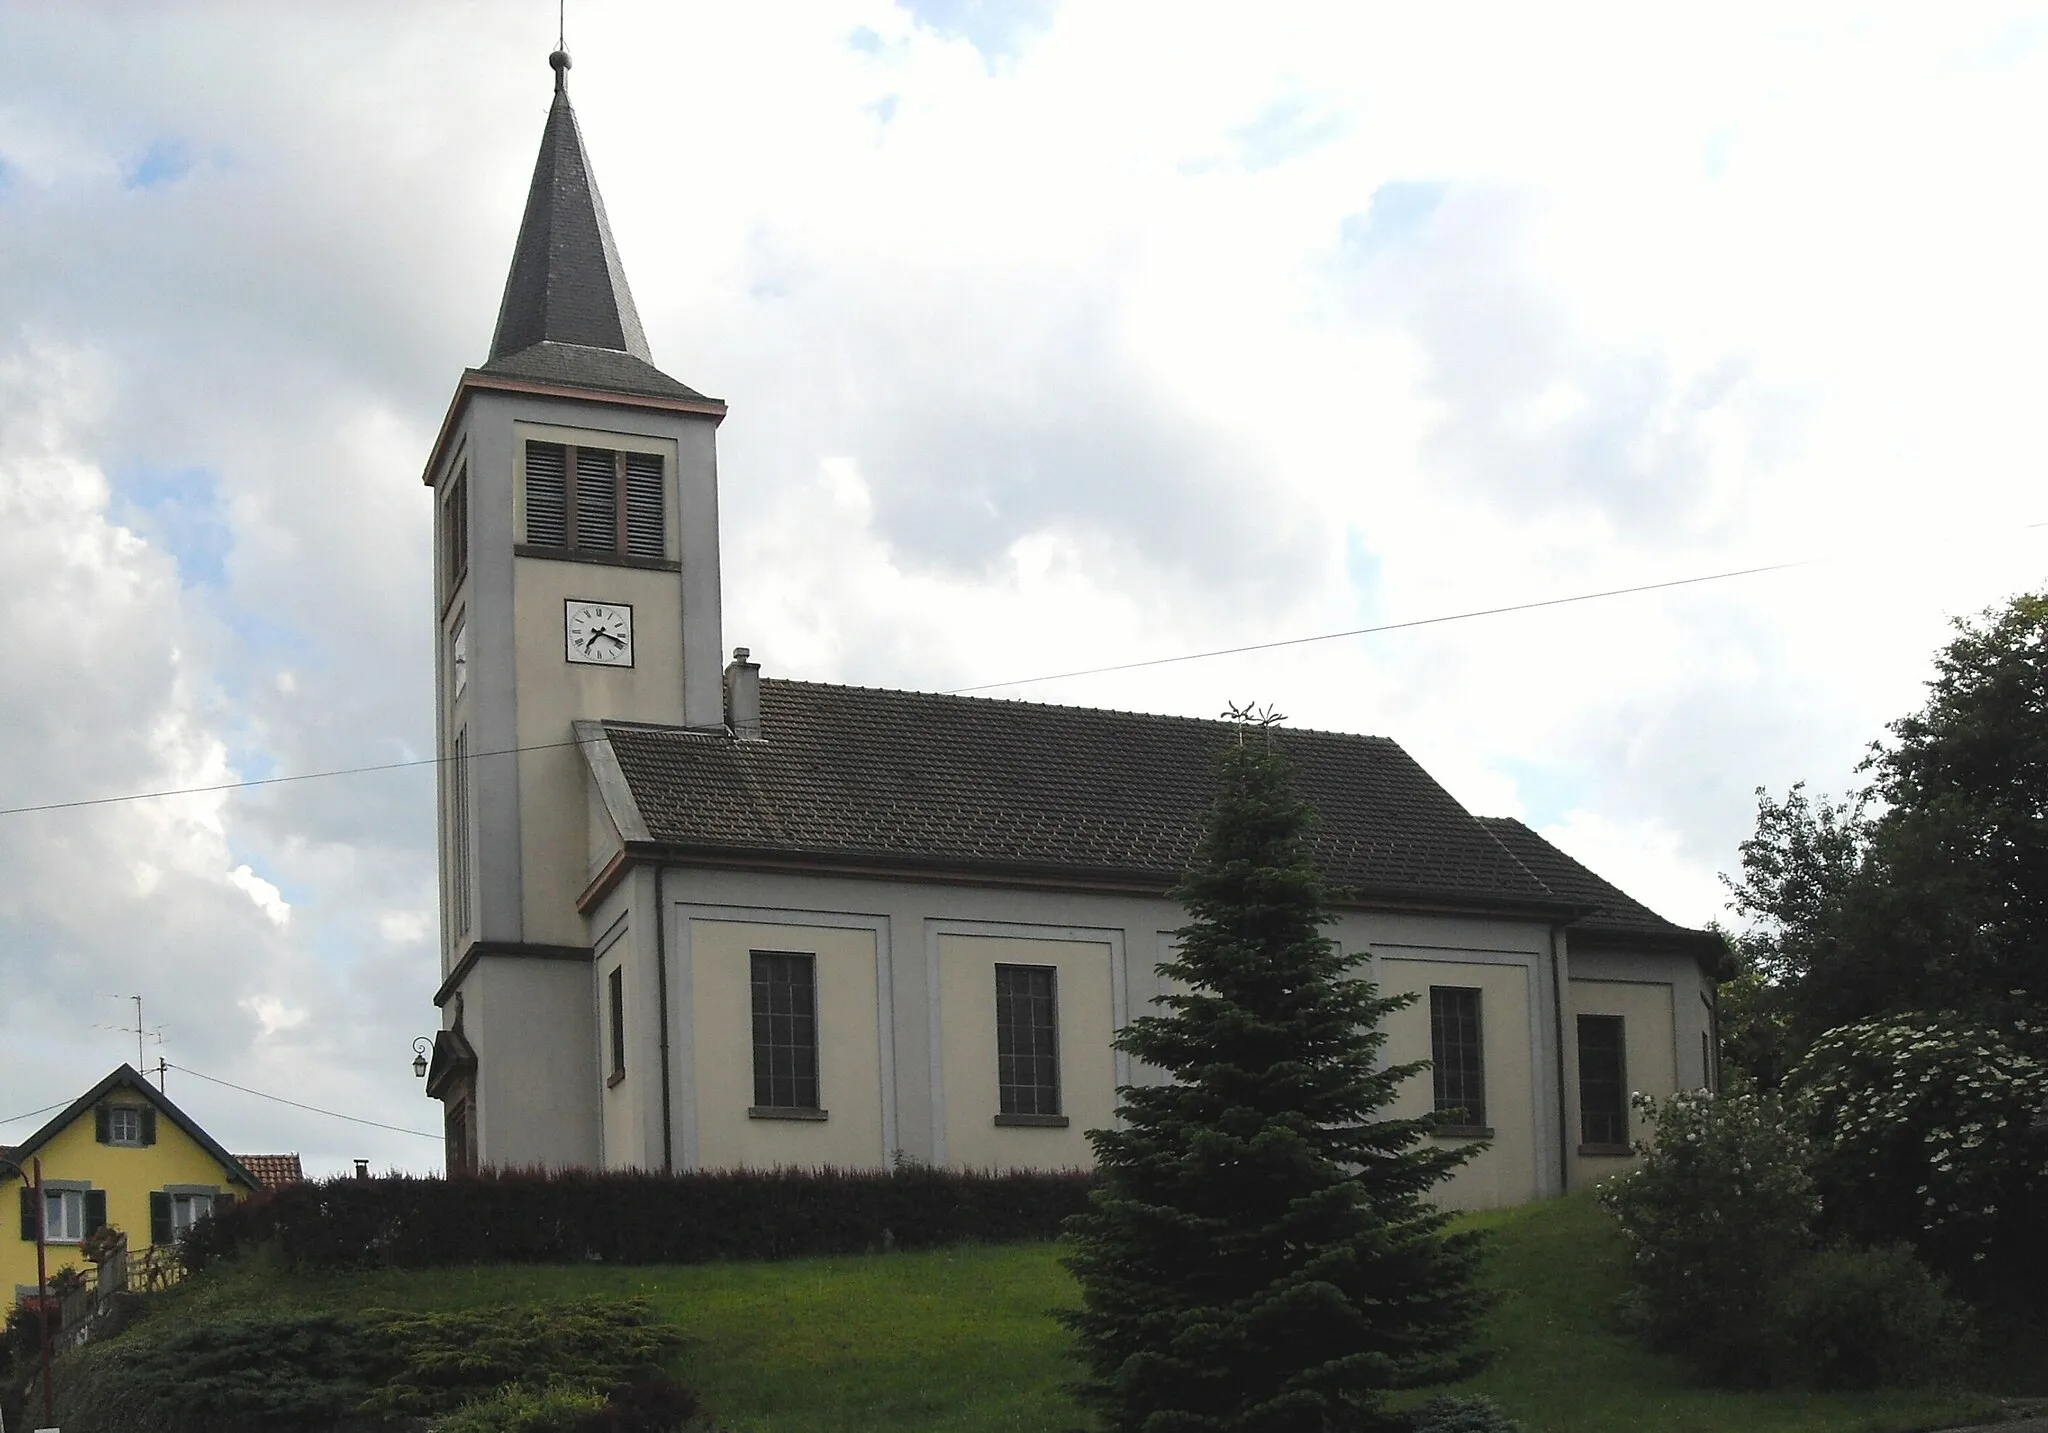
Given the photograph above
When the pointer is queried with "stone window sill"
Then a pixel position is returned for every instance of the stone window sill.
(602, 558)
(1463, 1131)
(1612, 1151)
(1033, 1121)
(776, 1112)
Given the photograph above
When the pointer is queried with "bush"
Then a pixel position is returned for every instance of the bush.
(1716, 1212)
(652, 1405)
(1921, 1128)
(287, 1370)
(556, 1408)
(434, 1361)
(248, 1372)
(634, 1217)
(1463, 1413)
(1867, 1318)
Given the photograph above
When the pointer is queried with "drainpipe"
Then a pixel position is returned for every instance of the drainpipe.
(668, 1150)
(1564, 1138)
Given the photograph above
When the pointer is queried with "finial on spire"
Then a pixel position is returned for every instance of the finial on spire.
(559, 60)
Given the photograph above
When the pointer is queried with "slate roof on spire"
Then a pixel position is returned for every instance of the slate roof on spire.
(568, 317)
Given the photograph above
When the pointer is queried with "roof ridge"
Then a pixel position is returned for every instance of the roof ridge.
(967, 698)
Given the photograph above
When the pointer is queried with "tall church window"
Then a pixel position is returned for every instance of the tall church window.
(1027, 1043)
(458, 834)
(1457, 1056)
(596, 501)
(455, 535)
(615, 989)
(785, 1001)
(1603, 1083)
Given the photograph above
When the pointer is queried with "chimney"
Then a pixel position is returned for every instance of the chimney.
(362, 1169)
(743, 697)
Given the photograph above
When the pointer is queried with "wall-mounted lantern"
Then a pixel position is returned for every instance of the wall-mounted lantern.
(420, 1047)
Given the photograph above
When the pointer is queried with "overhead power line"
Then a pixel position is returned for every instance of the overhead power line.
(474, 756)
(17, 1119)
(312, 1109)
(1132, 666)
(1387, 626)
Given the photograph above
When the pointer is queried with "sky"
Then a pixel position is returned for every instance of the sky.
(1056, 336)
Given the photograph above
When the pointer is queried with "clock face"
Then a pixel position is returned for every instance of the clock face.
(598, 633)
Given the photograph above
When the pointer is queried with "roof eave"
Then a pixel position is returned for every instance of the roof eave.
(1040, 875)
(128, 1077)
(475, 380)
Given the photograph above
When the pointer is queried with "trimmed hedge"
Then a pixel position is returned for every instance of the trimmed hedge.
(634, 1217)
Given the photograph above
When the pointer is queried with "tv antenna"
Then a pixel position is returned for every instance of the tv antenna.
(142, 1033)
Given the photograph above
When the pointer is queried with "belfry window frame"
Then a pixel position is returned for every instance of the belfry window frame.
(627, 498)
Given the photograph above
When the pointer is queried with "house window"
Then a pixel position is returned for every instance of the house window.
(1027, 1042)
(458, 835)
(785, 998)
(1457, 1056)
(1603, 1082)
(187, 1210)
(175, 1210)
(63, 1215)
(132, 1126)
(455, 535)
(458, 657)
(596, 501)
(617, 992)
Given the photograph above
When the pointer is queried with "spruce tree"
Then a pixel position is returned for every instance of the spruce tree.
(1258, 1256)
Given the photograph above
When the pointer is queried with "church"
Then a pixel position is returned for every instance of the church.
(695, 917)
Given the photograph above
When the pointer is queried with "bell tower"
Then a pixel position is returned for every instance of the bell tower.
(576, 578)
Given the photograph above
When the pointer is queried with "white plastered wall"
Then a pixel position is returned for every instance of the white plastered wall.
(1649, 1009)
(850, 995)
(963, 960)
(1506, 1172)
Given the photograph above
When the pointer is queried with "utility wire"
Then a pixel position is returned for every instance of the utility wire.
(989, 686)
(280, 780)
(1388, 626)
(315, 1109)
(17, 1119)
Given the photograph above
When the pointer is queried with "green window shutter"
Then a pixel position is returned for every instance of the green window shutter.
(100, 1121)
(28, 1214)
(95, 1210)
(159, 1217)
(149, 1124)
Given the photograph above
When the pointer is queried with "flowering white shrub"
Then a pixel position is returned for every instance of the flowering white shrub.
(1921, 1128)
(1718, 1209)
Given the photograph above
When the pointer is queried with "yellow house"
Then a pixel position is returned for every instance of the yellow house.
(121, 1154)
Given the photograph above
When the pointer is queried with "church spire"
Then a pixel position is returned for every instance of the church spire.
(567, 285)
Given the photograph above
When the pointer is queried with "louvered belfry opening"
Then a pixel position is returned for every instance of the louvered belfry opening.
(597, 501)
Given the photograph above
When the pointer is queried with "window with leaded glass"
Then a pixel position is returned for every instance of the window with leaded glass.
(1457, 1056)
(1027, 1041)
(785, 999)
(1603, 1082)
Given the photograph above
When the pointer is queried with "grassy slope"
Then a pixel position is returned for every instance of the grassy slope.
(957, 1341)
(1564, 1366)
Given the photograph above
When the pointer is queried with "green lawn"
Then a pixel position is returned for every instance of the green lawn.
(959, 1341)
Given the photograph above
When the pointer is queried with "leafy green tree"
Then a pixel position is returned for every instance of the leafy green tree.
(1938, 900)
(1950, 911)
(1258, 1255)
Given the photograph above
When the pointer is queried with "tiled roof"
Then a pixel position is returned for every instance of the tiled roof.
(859, 776)
(273, 1171)
(1619, 913)
(576, 366)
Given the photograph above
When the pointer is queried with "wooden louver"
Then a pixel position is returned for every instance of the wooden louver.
(596, 500)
